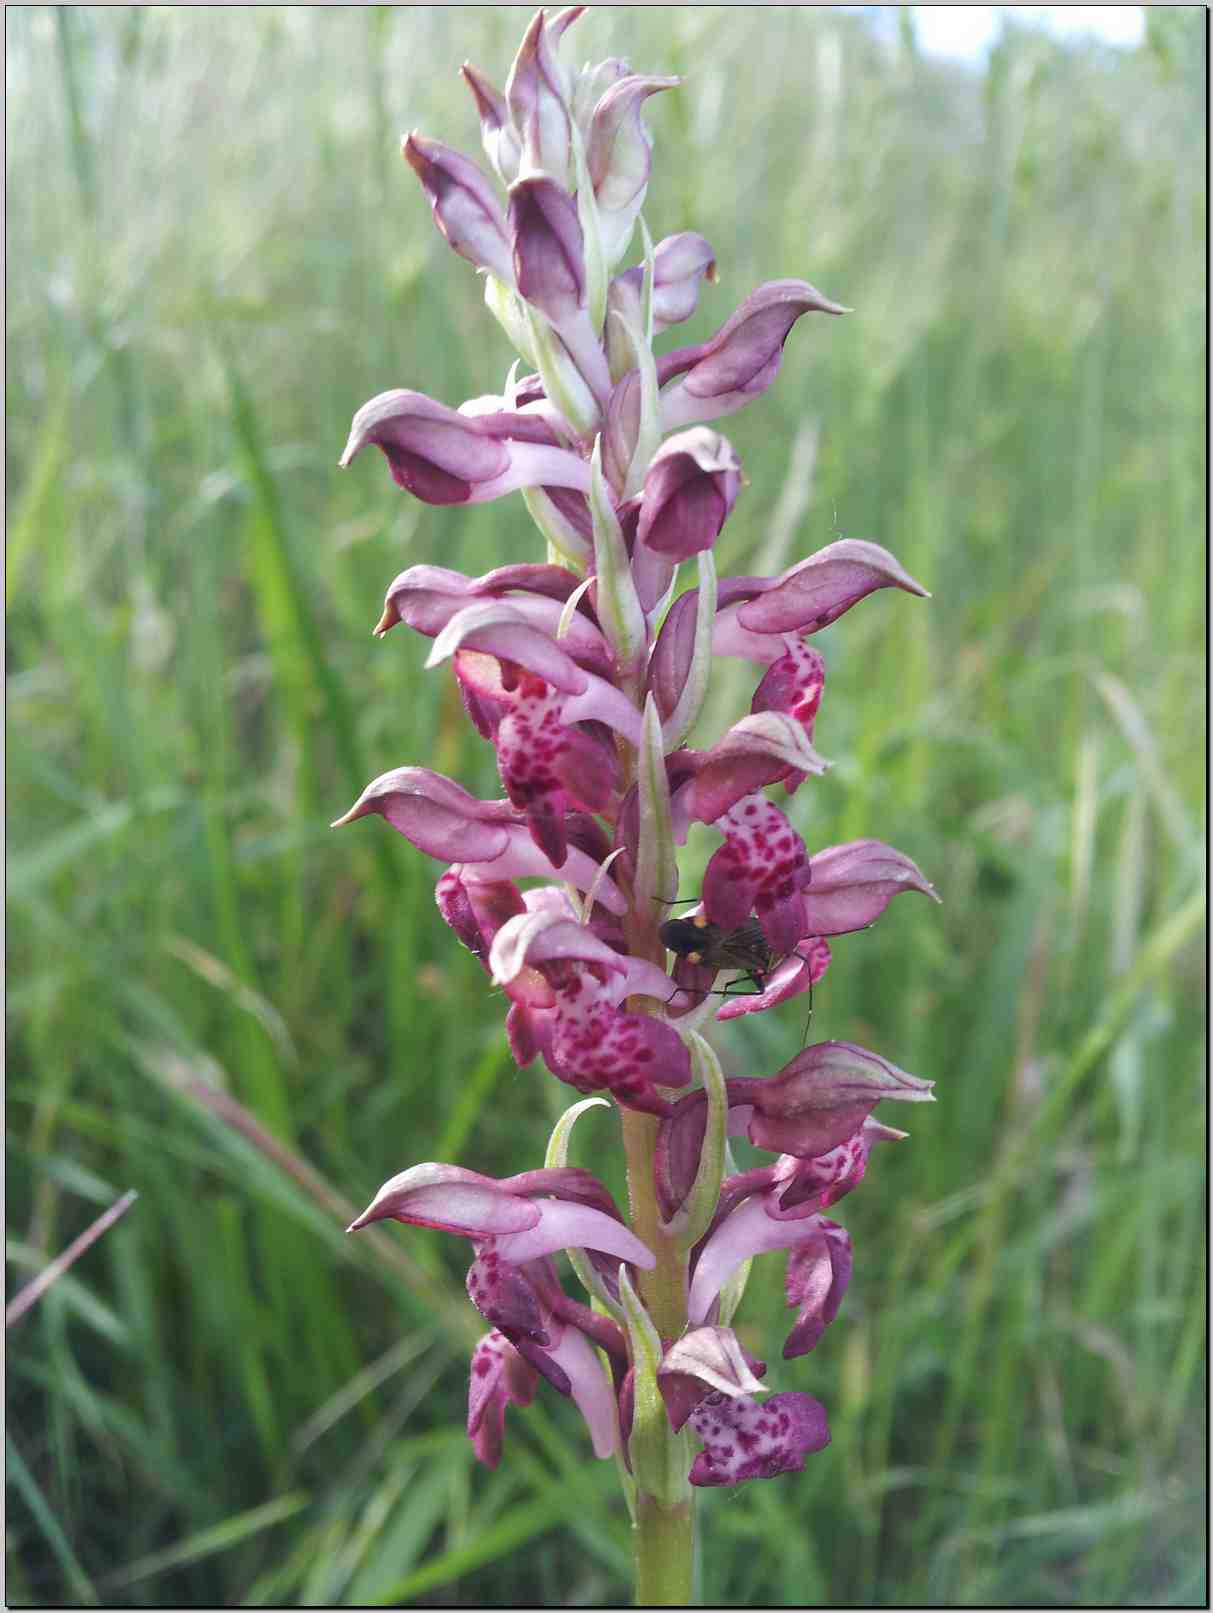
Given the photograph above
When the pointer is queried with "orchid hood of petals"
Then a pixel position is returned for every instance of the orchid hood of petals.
(817, 591)
(745, 1439)
(821, 1097)
(619, 150)
(854, 883)
(490, 838)
(444, 457)
(689, 489)
(680, 263)
(452, 1199)
(741, 361)
(538, 938)
(760, 749)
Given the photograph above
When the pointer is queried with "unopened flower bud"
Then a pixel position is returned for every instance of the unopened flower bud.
(548, 254)
(465, 206)
(497, 134)
(619, 155)
(680, 263)
(538, 102)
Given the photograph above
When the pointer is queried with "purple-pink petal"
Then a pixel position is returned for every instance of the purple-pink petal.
(590, 1391)
(691, 485)
(561, 1225)
(444, 457)
(451, 1199)
(741, 360)
(619, 150)
(746, 1231)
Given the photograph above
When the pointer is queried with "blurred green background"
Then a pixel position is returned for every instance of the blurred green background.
(214, 256)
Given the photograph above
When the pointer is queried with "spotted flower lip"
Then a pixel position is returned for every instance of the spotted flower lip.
(744, 1439)
(500, 1377)
(705, 1361)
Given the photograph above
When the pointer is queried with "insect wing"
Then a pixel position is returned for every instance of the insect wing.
(745, 948)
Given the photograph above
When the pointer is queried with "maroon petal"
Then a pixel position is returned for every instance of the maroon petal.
(670, 662)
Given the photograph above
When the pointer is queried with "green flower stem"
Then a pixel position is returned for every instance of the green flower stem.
(663, 1533)
(664, 1538)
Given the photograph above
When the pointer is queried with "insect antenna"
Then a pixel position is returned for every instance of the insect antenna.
(804, 1039)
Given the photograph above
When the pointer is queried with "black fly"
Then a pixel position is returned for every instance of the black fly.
(700, 941)
(697, 940)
